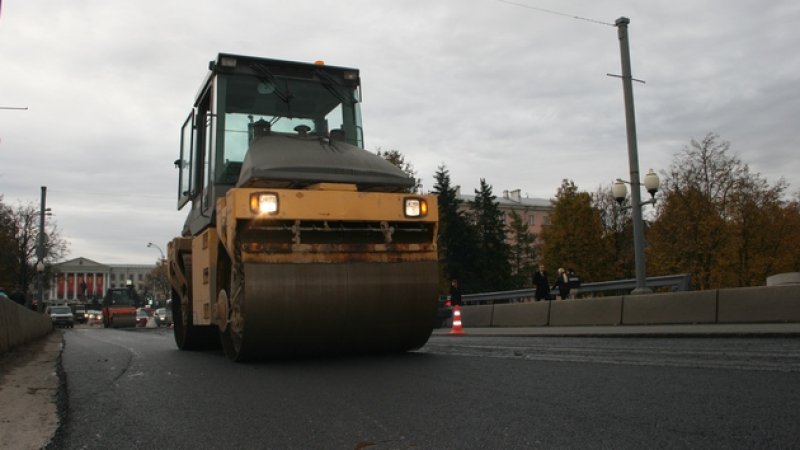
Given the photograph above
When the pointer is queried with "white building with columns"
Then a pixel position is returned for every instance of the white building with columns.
(81, 280)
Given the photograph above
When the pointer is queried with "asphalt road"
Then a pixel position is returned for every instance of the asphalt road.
(134, 389)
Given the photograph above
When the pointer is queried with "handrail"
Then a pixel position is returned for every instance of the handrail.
(680, 282)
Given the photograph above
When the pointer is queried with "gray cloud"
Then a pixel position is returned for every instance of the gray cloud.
(492, 90)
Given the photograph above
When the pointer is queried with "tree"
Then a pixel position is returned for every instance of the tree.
(7, 247)
(493, 269)
(159, 279)
(20, 235)
(722, 224)
(574, 237)
(456, 240)
(397, 158)
(522, 251)
(617, 220)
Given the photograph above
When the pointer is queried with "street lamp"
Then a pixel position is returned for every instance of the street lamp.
(620, 192)
(150, 244)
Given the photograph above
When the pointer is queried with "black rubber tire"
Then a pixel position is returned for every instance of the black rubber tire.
(188, 336)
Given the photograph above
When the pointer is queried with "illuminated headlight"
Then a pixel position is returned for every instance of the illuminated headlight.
(264, 203)
(416, 207)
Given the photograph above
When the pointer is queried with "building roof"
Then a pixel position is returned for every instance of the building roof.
(513, 199)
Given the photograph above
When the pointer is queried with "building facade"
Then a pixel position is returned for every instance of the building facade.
(82, 280)
(534, 211)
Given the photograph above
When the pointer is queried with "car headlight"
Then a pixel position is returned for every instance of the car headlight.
(264, 203)
(415, 207)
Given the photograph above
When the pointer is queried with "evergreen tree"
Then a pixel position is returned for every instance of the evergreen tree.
(522, 251)
(456, 237)
(493, 266)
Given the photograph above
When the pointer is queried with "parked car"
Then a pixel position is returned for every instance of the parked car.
(80, 314)
(163, 316)
(142, 315)
(444, 311)
(61, 316)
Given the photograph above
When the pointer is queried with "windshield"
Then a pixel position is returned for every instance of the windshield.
(121, 298)
(292, 106)
(60, 310)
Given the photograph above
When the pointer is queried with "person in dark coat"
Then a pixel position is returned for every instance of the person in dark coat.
(18, 296)
(541, 283)
(455, 293)
(562, 283)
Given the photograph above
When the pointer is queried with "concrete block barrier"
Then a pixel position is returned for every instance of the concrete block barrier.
(477, 316)
(759, 304)
(19, 325)
(784, 278)
(670, 308)
(530, 314)
(594, 311)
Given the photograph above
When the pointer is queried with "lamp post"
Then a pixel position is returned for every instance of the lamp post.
(633, 157)
(618, 189)
(149, 245)
(40, 253)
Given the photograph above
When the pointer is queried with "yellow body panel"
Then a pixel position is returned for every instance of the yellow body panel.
(204, 275)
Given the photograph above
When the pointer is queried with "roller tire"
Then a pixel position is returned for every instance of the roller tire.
(188, 336)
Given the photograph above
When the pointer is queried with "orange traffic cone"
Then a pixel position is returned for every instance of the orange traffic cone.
(456, 321)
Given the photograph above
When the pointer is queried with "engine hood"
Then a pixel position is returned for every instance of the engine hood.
(276, 160)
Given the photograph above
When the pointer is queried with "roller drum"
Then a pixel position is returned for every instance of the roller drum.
(292, 309)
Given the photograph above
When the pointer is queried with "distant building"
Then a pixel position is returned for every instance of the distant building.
(534, 211)
(81, 280)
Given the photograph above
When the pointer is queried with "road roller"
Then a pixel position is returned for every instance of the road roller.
(297, 241)
(119, 307)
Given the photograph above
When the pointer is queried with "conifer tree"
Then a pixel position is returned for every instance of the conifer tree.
(456, 237)
(522, 251)
(493, 266)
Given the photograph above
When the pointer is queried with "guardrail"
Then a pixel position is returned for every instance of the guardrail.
(677, 283)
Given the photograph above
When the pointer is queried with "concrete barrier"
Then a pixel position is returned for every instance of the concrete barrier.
(19, 325)
(529, 314)
(784, 278)
(759, 304)
(477, 316)
(670, 308)
(595, 311)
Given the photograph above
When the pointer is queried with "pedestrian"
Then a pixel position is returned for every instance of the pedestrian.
(18, 296)
(562, 283)
(574, 282)
(455, 293)
(541, 283)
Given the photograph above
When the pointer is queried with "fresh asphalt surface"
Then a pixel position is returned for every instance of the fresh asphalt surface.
(684, 386)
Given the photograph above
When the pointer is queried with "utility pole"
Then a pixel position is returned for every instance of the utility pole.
(633, 158)
(40, 252)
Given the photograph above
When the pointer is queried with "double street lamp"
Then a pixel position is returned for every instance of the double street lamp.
(620, 192)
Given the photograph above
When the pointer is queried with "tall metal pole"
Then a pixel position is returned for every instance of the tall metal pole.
(633, 158)
(40, 252)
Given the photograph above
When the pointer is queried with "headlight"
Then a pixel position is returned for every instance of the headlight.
(416, 207)
(264, 203)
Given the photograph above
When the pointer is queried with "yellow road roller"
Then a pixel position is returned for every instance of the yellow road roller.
(298, 241)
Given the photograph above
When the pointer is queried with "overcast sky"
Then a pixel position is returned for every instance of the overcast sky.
(489, 89)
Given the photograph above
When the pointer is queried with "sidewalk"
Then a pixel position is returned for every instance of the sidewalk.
(29, 387)
(698, 330)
